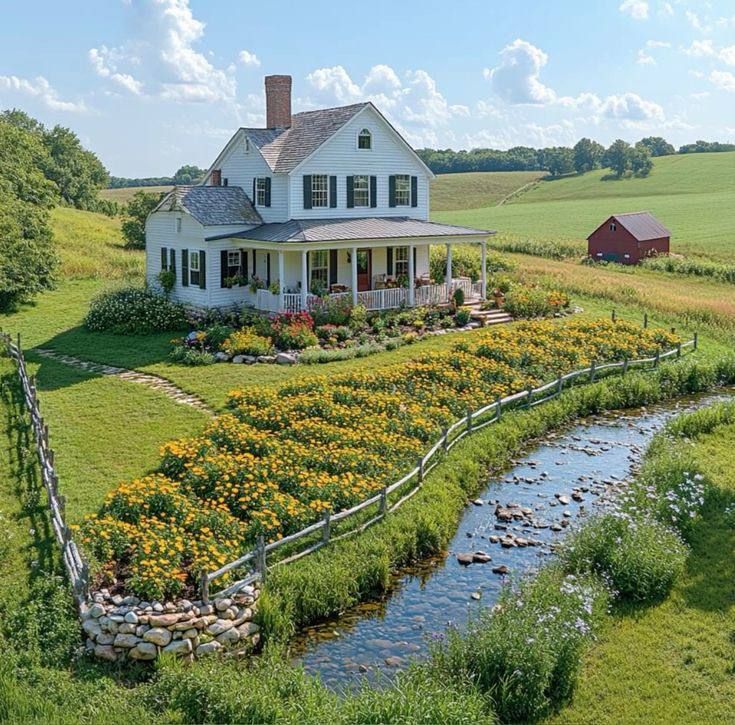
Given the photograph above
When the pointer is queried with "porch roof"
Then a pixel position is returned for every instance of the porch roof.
(341, 230)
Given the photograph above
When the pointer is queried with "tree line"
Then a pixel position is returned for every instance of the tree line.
(621, 157)
(188, 174)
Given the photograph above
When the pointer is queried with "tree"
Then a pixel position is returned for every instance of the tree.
(559, 160)
(618, 157)
(657, 146)
(136, 212)
(27, 255)
(587, 155)
(188, 175)
(640, 160)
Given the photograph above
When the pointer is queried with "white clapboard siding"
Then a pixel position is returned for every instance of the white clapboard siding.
(340, 157)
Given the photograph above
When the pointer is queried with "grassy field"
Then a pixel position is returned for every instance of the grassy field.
(477, 190)
(693, 195)
(123, 196)
(674, 662)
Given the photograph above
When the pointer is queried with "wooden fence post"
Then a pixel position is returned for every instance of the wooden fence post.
(593, 371)
(645, 320)
(420, 466)
(613, 317)
(559, 384)
(678, 350)
(204, 587)
(529, 393)
(260, 563)
(625, 366)
(469, 420)
(384, 501)
(499, 406)
(656, 359)
(696, 339)
(445, 437)
(327, 530)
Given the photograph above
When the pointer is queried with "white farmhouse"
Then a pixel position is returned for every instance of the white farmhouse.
(332, 201)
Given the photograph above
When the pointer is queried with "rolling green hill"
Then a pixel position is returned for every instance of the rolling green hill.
(693, 195)
(476, 190)
(125, 194)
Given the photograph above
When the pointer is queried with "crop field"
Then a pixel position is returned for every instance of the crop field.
(124, 195)
(693, 195)
(477, 190)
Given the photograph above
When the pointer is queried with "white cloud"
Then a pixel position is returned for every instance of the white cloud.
(41, 89)
(164, 52)
(249, 59)
(724, 80)
(700, 49)
(516, 79)
(637, 9)
(658, 44)
(631, 107)
(695, 21)
(727, 55)
(645, 58)
(666, 9)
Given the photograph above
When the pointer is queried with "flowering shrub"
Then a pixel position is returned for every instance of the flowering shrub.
(134, 310)
(247, 342)
(527, 302)
(331, 310)
(284, 455)
(294, 331)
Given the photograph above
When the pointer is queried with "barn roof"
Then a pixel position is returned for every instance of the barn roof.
(641, 224)
(212, 205)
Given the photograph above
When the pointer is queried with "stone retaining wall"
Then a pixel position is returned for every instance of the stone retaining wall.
(119, 628)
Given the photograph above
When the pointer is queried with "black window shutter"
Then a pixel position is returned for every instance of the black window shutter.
(185, 267)
(164, 259)
(414, 262)
(391, 191)
(389, 261)
(244, 264)
(350, 192)
(267, 190)
(333, 192)
(307, 191)
(202, 270)
(332, 266)
(414, 191)
(267, 267)
(373, 191)
(223, 268)
(172, 259)
(255, 191)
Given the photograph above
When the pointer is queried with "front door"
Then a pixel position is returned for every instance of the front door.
(364, 268)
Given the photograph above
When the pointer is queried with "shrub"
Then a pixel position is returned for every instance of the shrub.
(216, 335)
(331, 311)
(134, 310)
(529, 302)
(462, 316)
(458, 297)
(167, 279)
(294, 331)
(638, 556)
(358, 317)
(191, 356)
(247, 342)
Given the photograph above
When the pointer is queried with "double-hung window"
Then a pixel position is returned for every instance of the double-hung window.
(361, 190)
(260, 191)
(194, 270)
(234, 260)
(319, 190)
(364, 140)
(401, 261)
(403, 190)
(319, 267)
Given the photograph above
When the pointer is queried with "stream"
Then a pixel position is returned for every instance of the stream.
(560, 481)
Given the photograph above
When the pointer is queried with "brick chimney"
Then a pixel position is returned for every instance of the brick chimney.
(278, 101)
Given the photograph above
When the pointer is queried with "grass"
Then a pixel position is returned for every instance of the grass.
(693, 195)
(124, 195)
(478, 189)
(674, 662)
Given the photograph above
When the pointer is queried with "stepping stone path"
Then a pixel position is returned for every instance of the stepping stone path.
(154, 382)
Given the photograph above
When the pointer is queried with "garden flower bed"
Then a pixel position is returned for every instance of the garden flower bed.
(281, 457)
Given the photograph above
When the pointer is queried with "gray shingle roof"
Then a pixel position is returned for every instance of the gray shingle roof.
(212, 205)
(642, 225)
(332, 230)
(285, 148)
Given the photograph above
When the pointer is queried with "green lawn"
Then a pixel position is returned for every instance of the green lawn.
(693, 195)
(673, 663)
(476, 190)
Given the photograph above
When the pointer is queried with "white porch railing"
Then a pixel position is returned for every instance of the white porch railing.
(377, 299)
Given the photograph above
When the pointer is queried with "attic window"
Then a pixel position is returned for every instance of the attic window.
(247, 145)
(613, 227)
(365, 139)
(178, 225)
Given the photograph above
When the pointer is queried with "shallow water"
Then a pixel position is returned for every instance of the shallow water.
(591, 460)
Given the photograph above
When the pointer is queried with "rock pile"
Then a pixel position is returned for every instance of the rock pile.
(119, 628)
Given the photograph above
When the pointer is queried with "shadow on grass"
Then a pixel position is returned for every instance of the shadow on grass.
(42, 555)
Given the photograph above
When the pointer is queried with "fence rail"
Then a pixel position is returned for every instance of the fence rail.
(76, 565)
(473, 421)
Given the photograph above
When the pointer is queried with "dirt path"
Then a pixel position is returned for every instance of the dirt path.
(154, 382)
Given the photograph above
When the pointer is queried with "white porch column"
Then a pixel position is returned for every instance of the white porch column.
(353, 257)
(411, 277)
(281, 282)
(448, 276)
(304, 281)
(483, 273)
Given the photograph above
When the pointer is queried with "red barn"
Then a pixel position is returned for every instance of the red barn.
(628, 238)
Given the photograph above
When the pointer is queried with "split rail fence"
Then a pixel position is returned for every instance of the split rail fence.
(473, 421)
(76, 566)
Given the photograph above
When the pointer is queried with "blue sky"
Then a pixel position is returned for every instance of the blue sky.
(153, 84)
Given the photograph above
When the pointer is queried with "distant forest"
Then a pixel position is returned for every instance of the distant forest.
(185, 175)
(557, 160)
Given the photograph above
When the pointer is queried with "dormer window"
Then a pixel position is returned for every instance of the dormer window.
(365, 140)
(613, 227)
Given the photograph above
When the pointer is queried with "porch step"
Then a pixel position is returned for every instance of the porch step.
(490, 317)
